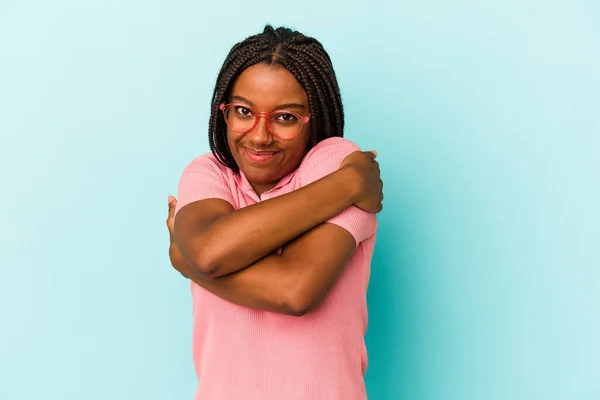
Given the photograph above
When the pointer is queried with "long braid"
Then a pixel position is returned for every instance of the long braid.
(321, 63)
(305, 58)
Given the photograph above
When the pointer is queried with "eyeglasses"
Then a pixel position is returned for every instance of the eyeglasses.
(285, 125)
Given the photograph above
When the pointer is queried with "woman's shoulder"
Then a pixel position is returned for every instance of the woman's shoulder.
(333, 146)
(324, 158)
(333, 149)
(207, 164)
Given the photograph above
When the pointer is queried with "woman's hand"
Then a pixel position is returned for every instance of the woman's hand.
(177, 260)
(368, 179)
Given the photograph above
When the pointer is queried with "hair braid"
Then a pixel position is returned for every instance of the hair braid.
(315, 70)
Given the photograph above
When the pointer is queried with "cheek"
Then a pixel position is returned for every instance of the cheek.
(232, 139)
(303, 143)
(298, 150)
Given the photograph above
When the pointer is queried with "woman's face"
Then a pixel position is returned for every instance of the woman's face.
(263, 158)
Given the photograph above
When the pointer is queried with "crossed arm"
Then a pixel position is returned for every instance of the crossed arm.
(293, 282)
(231, 252)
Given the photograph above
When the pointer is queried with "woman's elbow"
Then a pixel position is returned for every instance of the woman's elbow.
(301, 303)
(206, 267)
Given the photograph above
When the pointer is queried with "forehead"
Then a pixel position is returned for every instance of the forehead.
(269, 85)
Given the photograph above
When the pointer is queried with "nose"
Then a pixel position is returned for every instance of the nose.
(261, 135)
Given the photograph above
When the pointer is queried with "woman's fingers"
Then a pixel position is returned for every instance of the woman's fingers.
(171, 217)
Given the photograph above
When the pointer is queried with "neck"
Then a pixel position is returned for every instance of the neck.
(260, 188)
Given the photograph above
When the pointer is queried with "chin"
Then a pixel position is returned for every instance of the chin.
(257, 176)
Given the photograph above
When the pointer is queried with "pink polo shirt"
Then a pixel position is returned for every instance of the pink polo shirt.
(246, 354)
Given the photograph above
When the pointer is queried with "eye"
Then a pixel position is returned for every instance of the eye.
(285, 117)
(243, 111)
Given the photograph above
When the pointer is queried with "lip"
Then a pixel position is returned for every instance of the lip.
(259, 156)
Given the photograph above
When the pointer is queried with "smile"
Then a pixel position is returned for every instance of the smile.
(259, 156)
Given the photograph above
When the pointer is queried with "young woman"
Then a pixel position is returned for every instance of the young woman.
(276, 229)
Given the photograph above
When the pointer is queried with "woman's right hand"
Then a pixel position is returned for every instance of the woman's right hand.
(368, 180)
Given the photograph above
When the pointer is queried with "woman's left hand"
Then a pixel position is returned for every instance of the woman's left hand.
(177, 260)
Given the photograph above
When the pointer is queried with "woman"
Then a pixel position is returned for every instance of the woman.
(276, 229)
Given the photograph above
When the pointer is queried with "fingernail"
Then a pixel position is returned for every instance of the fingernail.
(171, 198)
(374, 152)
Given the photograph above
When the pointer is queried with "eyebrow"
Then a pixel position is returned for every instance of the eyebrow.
(279, 107)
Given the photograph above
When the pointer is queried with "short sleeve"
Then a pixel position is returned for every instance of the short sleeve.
(203, 179)
(324, 159)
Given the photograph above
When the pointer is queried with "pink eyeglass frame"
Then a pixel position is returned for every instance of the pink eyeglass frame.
(303, 120)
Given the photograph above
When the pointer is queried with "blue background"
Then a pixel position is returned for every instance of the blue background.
(486, 277)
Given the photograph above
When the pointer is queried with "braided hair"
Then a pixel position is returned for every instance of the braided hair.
(302, 56)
